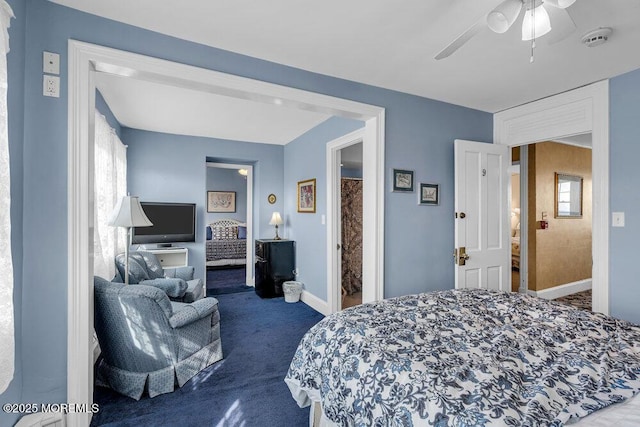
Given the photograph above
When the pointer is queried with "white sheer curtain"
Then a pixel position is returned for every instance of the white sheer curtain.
(7, 340)
(110, 183)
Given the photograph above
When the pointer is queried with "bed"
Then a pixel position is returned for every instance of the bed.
(226, 243)
(468, 358)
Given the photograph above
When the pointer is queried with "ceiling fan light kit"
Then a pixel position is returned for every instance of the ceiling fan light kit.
(560, 4)
(502, 17)
(536, 22)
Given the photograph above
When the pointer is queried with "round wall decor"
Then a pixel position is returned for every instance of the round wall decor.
(271, 198)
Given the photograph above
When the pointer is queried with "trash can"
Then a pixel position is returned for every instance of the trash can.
(292, 291)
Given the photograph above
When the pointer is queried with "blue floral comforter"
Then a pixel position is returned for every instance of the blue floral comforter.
(465, 358)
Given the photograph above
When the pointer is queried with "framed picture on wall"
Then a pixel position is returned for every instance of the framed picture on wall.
(402, 180)
(429, 194)
(307, 196)
(221, 201)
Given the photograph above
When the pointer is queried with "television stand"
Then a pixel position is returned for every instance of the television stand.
(171, 257)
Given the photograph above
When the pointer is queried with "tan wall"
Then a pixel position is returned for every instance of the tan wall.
(561, 253)
(515, 200)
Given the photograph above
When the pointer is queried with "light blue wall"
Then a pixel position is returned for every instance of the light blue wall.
(351, 172)
(172, 168)
(15, 101)
(625, 175)
(419, 238)
(419, 136)
(305, 159)
(221, 179)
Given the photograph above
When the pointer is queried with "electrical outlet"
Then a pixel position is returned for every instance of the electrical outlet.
(51, 86)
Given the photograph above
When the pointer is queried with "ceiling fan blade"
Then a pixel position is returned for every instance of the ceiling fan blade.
(462, 39)
(562, 25)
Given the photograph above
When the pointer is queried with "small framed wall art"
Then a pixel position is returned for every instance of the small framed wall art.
(271, 198)
(429, 194)
(221, 201)
(307, 196)
(402, 180)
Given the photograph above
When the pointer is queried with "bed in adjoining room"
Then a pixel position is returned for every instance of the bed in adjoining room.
(226, 243)
(468, 358)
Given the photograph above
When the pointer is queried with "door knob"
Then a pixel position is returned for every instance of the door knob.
(462, 256)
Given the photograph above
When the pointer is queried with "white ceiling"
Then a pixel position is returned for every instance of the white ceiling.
(149, 106)
(393, 44)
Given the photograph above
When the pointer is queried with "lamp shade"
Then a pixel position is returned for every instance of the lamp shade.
(536, 23)
(276, 219)
(129, 213)
(502, 17)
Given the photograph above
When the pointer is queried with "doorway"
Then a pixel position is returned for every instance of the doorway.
(351, 187)
(229, 262)
(351, 146)
(580, 111)
(557, 196)
(85, 60)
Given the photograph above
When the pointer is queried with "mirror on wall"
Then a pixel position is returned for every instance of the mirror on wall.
(568, 196)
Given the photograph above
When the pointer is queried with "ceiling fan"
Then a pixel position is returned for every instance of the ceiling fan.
(536, 22)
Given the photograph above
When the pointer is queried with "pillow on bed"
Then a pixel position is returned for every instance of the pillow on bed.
(242, 232)
(225, 233)
(209, 233)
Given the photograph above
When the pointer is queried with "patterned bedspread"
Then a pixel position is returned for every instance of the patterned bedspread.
(226, 249)
(465, 358)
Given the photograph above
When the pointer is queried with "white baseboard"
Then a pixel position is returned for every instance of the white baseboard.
(562, 290)
(315, 302)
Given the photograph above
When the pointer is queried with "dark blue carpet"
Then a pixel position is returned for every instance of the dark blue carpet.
(246, 388)
(227, 281)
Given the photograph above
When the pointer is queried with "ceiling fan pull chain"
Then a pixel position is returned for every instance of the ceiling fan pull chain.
(533, 32)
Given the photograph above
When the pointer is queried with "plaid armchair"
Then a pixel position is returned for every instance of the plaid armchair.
(150, 343)
(145, 269)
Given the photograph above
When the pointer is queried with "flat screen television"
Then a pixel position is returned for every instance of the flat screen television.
(172, 222)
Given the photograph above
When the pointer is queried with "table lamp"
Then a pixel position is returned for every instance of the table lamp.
(128, 213)
(276, 220)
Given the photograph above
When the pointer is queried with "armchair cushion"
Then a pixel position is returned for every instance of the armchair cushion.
(184, 273)
(145, 267)
(189, 313)
(174, 288)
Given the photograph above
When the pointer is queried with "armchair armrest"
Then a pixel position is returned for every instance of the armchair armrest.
(192, 312)
(184, 273)
(173, 287)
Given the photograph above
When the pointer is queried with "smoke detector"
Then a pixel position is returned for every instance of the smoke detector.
(596, 37)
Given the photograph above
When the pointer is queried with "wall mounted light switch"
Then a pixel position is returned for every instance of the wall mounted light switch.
(617, 219)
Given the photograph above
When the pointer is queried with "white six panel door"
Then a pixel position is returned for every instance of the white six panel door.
(482, 225)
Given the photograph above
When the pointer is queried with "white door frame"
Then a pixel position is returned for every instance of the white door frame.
(84, 60)
(334, 273)
(579, 111)
(251, 249)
